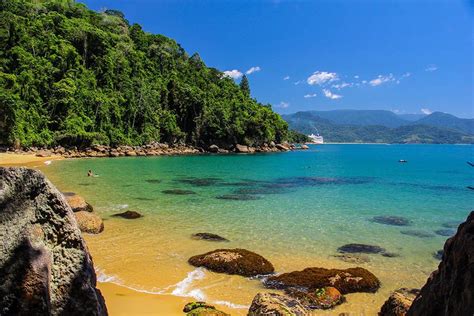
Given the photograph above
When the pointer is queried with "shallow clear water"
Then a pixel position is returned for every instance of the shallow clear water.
(299, 208)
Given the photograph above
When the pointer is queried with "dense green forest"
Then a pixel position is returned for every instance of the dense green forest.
(73, 76)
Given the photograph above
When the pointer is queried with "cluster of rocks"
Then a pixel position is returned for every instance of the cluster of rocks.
(45, 267)
(87, 220)
(152, 149)
(202, 309)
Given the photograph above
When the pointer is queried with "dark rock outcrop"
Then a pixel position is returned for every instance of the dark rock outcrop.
(128, 215)
(360, 248)
(310, 279)
(45, 267)
(276, 305)
(450, 289)
(399, 302)
(233, 261)
(208, 236)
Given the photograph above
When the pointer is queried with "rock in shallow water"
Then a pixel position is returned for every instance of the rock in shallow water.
(89, 222)
(353, 258)
(360, 248)
(77, 202)
(391, 220)
(208, 236)
(445, 232)
(233, 261)
(238, 197)
(399, 302)
(276, 305)
(310, 279)
(128, 215)
(323, 298)
(45, 267)
(417, 233)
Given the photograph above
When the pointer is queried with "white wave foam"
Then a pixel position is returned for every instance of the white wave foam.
(105, 278)
(230, 304)
(182, 288)
(47, 162)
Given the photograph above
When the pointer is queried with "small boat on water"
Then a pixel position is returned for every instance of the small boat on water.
(403, 161)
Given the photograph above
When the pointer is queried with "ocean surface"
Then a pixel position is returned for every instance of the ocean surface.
(295, 208)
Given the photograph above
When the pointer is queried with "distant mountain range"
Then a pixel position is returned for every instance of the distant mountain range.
(380, 126)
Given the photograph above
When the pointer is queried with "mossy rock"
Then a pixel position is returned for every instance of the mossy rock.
(276, 305)
(202, 309)
(233, 261)
(310, 279)
(323, 298)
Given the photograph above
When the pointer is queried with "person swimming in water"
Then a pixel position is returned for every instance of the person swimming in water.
(90, 173)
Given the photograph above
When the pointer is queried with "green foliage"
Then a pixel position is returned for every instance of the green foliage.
(72, 76)
(297, 137)
(245, 86)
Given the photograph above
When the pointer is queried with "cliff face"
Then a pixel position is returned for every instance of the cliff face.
(45, 267)
(450, 289)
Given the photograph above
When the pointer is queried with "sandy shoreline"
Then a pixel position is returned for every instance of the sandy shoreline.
(26, 160)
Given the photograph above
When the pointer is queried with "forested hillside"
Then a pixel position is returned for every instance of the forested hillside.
(73, 76)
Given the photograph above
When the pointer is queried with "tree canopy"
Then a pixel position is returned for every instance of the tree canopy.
(73, 76)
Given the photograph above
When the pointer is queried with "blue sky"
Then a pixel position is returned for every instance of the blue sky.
(407, 56)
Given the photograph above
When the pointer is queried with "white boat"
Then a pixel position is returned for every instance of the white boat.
(316, 139)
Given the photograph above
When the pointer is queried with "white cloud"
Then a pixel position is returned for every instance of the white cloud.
(253, 69)
(406, 75)
(283, 105)
(381, 79)
(431, 68)
(286, 77)
(310, 95)
(330, 95)
(340, 86)
(426, 111)
(322, 77)
(297, 82)
(356, 76)
(396, 111)
(234, 74)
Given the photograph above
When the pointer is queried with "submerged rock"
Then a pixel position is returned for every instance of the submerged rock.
(153, 181)
(399, 302)
(353, 258)
(452, 224)
(199, 182)
(202, 309)
(391, 220)
(89, 222)
(233, 261)
(45, 267)
(208, 236)
(178, 192)
(449, 290)
(310, 279)
(445, 232)
(417, 233)
(128, 215)
(360, 248)
(323, 298)
(77, 202)
(276, 305)
(238, 197)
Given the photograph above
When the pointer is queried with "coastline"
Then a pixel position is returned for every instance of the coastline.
(25, 159)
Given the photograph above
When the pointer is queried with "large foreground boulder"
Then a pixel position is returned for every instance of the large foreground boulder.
(276, 305)
(233, 261)
(45, 267)
(310, 279)
(450, 289)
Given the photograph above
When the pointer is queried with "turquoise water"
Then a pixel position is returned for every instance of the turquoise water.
(298, 207)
